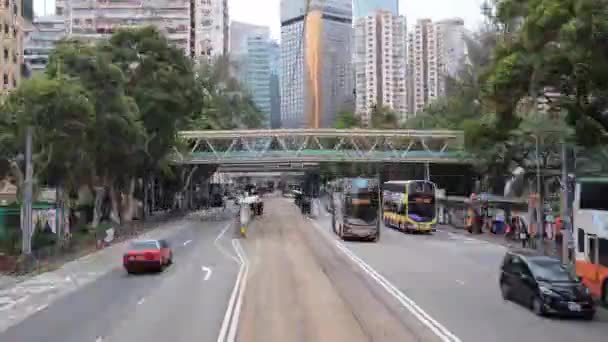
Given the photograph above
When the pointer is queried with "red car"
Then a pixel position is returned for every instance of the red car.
(147, 255)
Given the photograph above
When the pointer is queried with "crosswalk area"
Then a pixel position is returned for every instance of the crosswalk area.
(463, 239)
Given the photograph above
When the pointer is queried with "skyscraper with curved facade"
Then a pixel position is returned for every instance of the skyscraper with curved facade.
(316, 72)
(365, 8)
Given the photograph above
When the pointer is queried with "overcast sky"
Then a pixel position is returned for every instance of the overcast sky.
(266, 12)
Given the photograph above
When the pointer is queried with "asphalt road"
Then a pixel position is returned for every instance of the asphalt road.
(454, 279)
(186, 302)
(300, 287)
(299, 283)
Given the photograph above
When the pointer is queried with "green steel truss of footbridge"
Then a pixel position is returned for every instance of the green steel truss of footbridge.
(321, 145)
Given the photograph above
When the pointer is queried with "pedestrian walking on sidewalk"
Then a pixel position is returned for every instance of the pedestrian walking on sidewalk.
(523, 236)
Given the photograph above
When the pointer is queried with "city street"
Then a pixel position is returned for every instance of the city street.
(186, 302)
(301, 288)
(292, 280)
(454, 278)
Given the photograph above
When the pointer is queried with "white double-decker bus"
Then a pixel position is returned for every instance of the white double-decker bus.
(590, 224)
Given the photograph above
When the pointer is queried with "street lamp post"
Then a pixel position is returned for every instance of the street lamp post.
(27, 196)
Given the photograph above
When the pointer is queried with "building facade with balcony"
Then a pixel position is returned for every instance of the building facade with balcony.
(11, 44)
(451, 39)
(41, 39)
(98, 19)
(436, 51)
(423, 65)
(380, 64)
(210, 29)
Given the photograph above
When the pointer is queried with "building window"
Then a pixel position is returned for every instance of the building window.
(6, 54)
(5, 79)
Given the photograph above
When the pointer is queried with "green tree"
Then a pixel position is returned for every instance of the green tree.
(160, 79)
(463, 100)
(560, 44)
(384, 118)
(225, 102)
(347, 119)
(116, 136)
(59, 113)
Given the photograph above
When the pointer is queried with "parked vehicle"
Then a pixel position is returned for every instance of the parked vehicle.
(544, 285)
(143, 255)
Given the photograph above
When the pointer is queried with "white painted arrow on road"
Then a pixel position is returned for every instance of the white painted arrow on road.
(207, 271)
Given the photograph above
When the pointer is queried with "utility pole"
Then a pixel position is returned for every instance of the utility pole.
(566, 207)
(540, 205)
(26, 241)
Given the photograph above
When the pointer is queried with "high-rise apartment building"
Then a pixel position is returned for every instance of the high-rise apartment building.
(44, 33)
(451, 35)
(365, 8)
(11, 44)
(210, 29)
(435, 51)
(316, 72)
(98, 19)
(199, 27)
(380, 64)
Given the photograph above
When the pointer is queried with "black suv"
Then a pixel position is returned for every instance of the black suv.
(544, 285)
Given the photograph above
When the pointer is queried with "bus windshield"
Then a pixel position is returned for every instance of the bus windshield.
(362, 208)
(593, 196)
(421, 201)
(421, 208)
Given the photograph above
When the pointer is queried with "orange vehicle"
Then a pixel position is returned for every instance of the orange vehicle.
(590, 234)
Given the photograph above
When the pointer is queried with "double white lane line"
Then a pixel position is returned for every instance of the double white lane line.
(231, 318)
(439, 330)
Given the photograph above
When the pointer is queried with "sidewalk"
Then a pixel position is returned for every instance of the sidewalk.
(124, 233)
(551, 249)
(23, 296)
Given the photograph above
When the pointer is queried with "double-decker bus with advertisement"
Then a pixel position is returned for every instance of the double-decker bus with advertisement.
(356, 208)
(410, 206)
(590, 232)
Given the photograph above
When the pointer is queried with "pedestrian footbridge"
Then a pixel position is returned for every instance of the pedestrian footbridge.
(302, 146)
